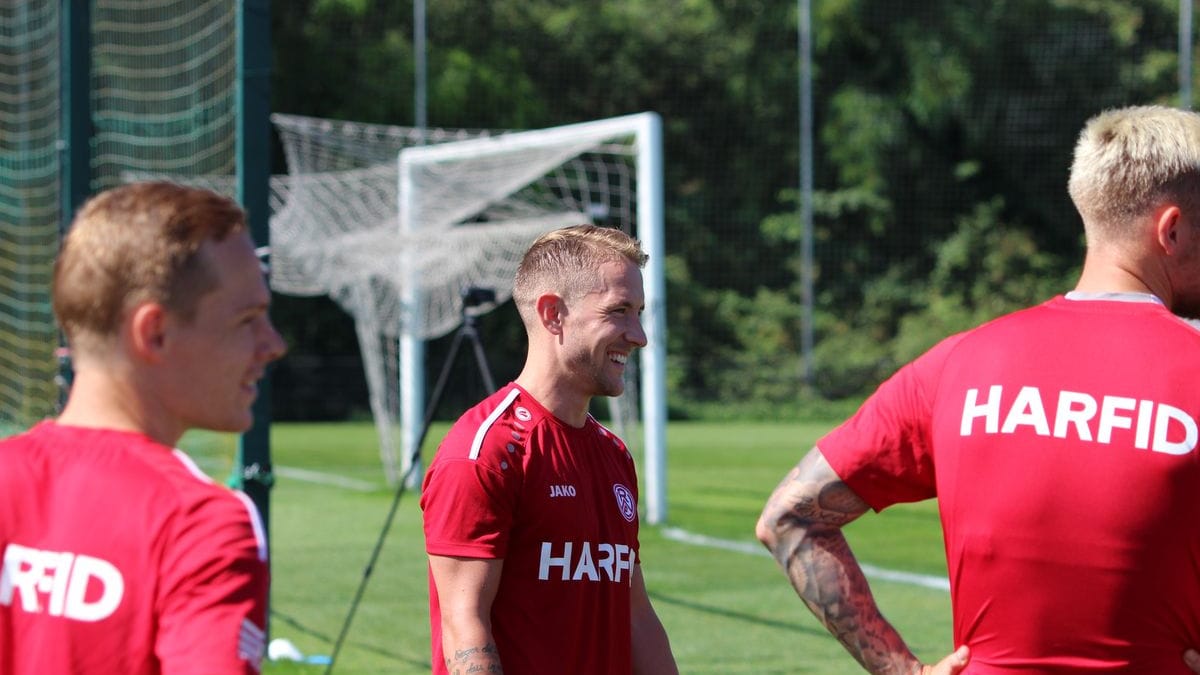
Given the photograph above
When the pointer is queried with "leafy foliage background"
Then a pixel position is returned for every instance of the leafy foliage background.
(944, 131)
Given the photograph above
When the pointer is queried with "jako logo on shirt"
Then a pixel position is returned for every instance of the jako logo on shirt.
(578, 562)
(1155, 426)
(77, 587)
(625, 503)
(562, 491)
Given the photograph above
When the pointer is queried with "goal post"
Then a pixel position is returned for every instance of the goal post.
(507, 164)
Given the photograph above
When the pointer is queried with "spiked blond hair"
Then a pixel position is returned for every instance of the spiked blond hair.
(565, 262)
(1129, 161)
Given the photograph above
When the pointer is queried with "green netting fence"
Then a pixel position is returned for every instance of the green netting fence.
(162, 101)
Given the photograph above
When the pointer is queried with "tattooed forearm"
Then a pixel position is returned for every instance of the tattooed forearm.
(485, 659)
(811, 496)
(828, 579)
(801, 525)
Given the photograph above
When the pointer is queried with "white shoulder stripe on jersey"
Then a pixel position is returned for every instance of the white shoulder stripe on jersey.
(260, 533)
(191, 465)
(491, 419)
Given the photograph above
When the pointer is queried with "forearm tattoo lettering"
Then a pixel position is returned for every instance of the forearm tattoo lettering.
(485, 659)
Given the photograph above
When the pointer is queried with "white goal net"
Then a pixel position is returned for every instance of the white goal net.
(395, 223)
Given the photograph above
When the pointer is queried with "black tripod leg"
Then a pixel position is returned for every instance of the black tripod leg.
(435, 399)
(481, 358)
(468, 331)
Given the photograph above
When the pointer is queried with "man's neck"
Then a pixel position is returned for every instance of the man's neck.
(1106, 274)
(554, 396)
(100, 401)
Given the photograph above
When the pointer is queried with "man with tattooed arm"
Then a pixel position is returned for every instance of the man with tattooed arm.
(1060, 442)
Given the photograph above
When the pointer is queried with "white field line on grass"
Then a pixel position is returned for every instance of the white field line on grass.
(325, 479)
(872, 572)
(672, 533)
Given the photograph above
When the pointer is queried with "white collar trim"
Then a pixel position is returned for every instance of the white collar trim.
(1117, 296)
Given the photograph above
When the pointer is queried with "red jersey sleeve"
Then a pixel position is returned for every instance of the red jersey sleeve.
(214, 591)
(883, 452)
(468, 509)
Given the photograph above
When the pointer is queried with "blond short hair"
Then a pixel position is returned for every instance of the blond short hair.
(1129, 161)
(565, 262)
(137, 243)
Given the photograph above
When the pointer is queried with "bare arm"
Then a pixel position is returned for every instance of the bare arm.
(651, 649)
(802, 526)
(466, 588)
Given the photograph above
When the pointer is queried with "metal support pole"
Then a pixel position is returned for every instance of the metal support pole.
(420, 75)
(74, 146)
(253, 186)
(75, 135)
(1185, 54)
(804, 21)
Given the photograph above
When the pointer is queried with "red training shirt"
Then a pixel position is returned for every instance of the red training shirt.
(559, 506)
(120, 556)
(1060, 442)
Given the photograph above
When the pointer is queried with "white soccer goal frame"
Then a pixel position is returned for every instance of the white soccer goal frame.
(646, 130)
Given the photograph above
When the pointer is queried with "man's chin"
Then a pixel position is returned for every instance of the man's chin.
(230, 426)
(612, 391)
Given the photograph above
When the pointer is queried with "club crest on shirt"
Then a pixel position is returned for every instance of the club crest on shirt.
(625, 502)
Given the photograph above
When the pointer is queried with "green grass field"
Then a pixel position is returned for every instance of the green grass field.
(726, 611)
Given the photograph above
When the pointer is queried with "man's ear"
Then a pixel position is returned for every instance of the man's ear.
(1167, 222)
(146, 329)
(550, 310)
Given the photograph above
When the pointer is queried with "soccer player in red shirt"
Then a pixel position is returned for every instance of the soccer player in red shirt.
(530, 505)
(119, 555)
(1060, 442)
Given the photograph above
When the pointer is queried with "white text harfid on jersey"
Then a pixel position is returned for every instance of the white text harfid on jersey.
(612, 559)
(1155, 426)
(63, 579)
